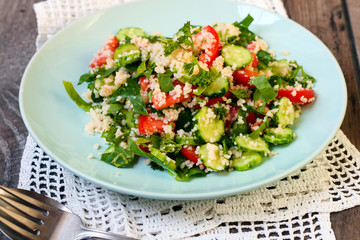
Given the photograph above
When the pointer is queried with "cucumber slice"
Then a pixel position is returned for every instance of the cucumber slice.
(130, 32)
(185, 140)
(217, 88)
(236, 55)
(208, 128)
(286, 114)
(278, 135)
(281, 67)
(245, 143)
(246, 161)
(162, 157)
(211, 157)
(127, 54)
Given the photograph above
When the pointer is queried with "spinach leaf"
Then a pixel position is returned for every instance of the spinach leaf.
(131, 91)
(186, 173)
(165, 82)
(136, 150)
(246, 35)
(87, 77)
(184, 121)
(264, 58)
(76, 97)
(117, 156)
(264, 87)
(240, 93)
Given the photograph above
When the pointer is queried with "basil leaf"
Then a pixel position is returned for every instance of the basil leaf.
(264, 87)
(76, 97)
(131, 91)
(165, 81)
(117, 156)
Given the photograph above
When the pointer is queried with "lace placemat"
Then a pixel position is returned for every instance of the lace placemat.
(297, 207)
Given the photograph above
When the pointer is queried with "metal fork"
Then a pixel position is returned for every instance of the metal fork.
(29, 215)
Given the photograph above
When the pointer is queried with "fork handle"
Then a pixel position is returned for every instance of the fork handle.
(87, 233)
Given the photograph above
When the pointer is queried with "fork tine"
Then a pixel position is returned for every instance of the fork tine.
(14, 231)
(21, 219)
(30, 201)
(20, 208)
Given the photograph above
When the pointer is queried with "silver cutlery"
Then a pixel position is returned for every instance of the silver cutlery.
(29, 215)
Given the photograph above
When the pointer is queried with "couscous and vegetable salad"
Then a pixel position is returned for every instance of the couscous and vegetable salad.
(209, 99)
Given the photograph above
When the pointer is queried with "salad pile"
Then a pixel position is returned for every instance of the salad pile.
(209, 99)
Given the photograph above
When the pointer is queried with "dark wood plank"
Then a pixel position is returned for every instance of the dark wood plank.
(353, 10)
(18, 31)
(328, 21)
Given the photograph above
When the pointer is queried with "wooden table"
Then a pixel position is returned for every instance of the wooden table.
(335, 22)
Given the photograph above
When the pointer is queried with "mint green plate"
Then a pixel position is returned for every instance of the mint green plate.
(57, 124)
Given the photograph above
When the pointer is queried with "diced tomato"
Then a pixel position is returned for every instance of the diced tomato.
(170, 99)
(250, 118)
(213, 101)
(302, 96)
(105, 53)
(112, 43)
(231, 117)
(145, 149)
(254, 61)
(149, 125)
(243, 77)
(255, 125)
(208, 41)
(144, 83)
(189, 152)
(253, 47)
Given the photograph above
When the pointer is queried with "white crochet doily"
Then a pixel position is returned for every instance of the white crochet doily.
(297, 207)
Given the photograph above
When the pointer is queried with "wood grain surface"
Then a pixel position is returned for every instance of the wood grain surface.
(334, 22)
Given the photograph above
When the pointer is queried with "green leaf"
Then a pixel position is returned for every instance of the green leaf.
(257, 96)
(247, 21)
(185, 37)
(240, 93)
(136, 150)
(165, 81)
(141, 68)
(255, 134)
(131, 91)
(168, 145)
(184, 121)
(246, 35)
(185, 174)
(264, 87)
(117, 156)
(87, 77)
(264, 58)
(114, 108)
(76, 97)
